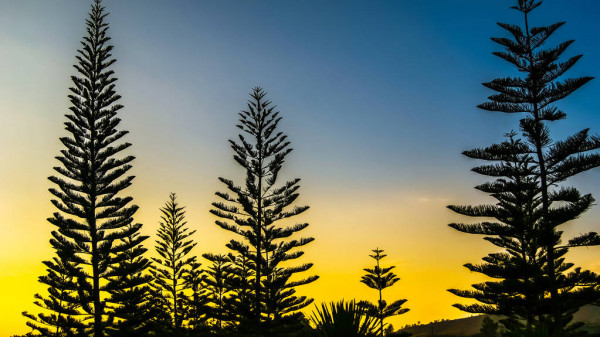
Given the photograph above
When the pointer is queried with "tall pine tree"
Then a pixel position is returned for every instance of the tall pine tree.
(170, 269)
(255, 212)
(535, 95)
(93, 223)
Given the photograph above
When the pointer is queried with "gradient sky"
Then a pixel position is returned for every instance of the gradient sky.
(378, 99)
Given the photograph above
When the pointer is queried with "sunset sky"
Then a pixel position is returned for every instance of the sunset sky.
(378, 99)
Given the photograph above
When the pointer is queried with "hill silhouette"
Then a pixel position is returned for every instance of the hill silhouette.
(470, 326)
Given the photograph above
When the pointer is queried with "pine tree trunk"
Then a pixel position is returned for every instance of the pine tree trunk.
(98, 329)
(258, 254)
(259, 143)
(549, 229)
(380, 308)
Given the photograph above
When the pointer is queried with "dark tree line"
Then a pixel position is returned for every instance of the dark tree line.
(99, 283)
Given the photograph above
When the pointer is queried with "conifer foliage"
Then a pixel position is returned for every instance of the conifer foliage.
(62, 301)
(552, 162)
(257, 213)
(133, 308)
(240, 271)
(95, 237)
(173, 265)
(379, 278)
(196, 304)
(217, 289)
(517, 294)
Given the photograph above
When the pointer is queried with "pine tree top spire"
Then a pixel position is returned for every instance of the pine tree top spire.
(378, 256)
(527, 6)
(377, 277)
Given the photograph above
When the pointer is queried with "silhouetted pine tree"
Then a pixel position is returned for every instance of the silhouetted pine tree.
(169, 270)
(92, 221)
(217, 289)
(196, 304)
(134, 309)
(554, 161)
(379, 278)
(519, 292)
(63, 301)
(161, 323)
(253, 212)
(239, 281)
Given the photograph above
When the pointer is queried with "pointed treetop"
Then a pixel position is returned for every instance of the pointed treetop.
(527, 6)
(378, 256)
(378, 277)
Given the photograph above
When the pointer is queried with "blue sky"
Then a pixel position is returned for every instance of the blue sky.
(392, 82)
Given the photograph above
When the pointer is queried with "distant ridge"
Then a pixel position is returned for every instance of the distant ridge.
(470, 326)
